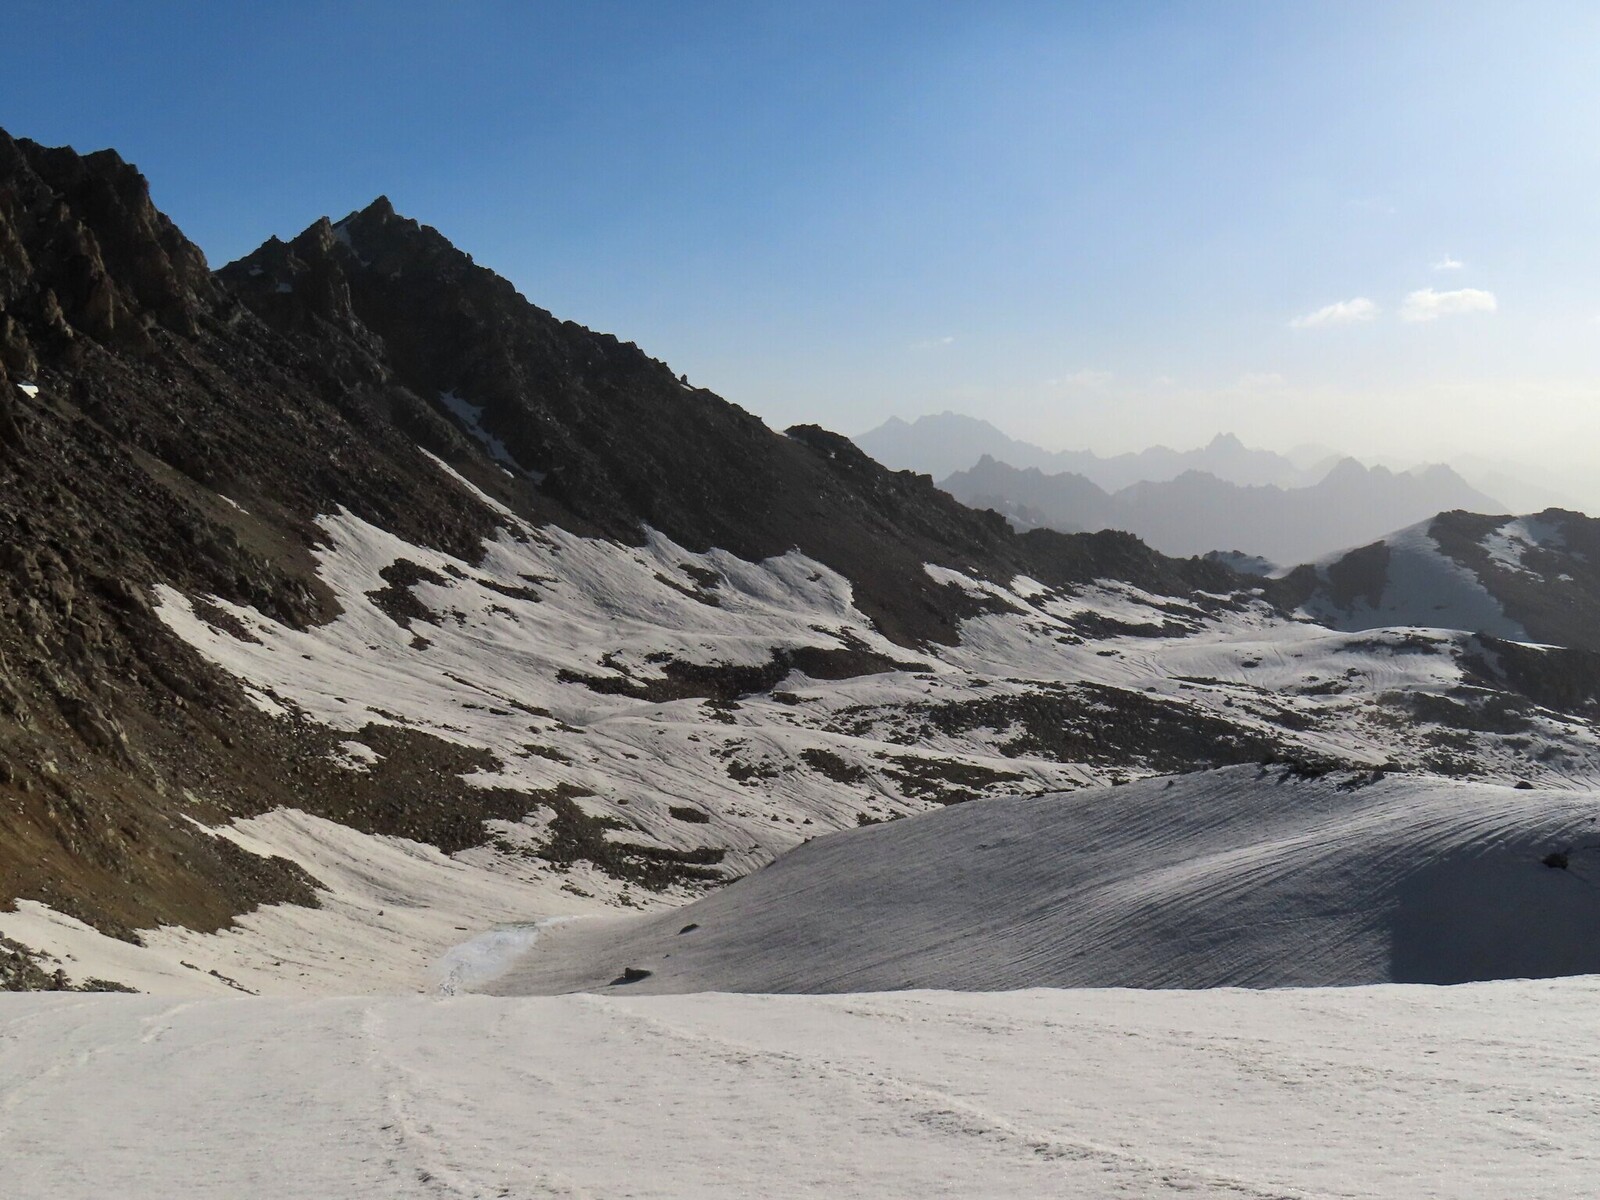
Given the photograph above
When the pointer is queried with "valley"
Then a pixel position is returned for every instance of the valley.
(485, 750)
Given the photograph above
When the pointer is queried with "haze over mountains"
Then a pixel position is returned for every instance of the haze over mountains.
(1221, 497)
(1197, 512)
(942, 444)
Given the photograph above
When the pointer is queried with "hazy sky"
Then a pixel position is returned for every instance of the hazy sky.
(1372, 225)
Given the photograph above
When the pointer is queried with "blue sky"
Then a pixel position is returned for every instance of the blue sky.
(1095, 224)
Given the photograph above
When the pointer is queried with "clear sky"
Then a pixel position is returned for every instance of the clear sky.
(1370, 225)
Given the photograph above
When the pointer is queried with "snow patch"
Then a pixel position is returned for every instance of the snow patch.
(1508, 544)
(471, 418)
(356, 756)
(483, 959)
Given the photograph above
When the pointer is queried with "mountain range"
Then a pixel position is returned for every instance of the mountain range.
(358, 618)
(188, 454)
(1198, 512)
(943, 444)
(953, 448)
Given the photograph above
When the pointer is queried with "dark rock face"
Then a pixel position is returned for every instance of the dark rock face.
(85, 255)
(1553, 591)
(154, 390)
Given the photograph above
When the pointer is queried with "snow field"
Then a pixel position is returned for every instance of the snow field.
(1240, 877)
(392, 920)
(543, 602)
(1480, 1091)
(488, 676)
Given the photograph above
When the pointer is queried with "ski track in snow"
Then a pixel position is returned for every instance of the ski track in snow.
(1485, 1090)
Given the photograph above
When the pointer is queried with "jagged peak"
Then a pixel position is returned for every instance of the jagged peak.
(90, 257)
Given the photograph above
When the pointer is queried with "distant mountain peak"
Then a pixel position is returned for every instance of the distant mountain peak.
(945, 443)
(1200, 509)
(1348, 468)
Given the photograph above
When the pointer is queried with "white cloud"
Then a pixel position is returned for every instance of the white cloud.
(1425, 304)
(1343, 312)
(1448, 264)
(933, 343)
(1084, 378)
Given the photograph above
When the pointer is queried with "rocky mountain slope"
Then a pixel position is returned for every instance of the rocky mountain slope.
(1197, 512)
(351, 604)
(1530, 578)
(162, 427)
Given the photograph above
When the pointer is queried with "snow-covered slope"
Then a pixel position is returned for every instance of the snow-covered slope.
(1409, 581)
(394, 917)
(1531, 577)
(1242, 877)
(661, 720)
(1479, 1091)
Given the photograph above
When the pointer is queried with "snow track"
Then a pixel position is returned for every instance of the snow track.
(1485, 1090)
